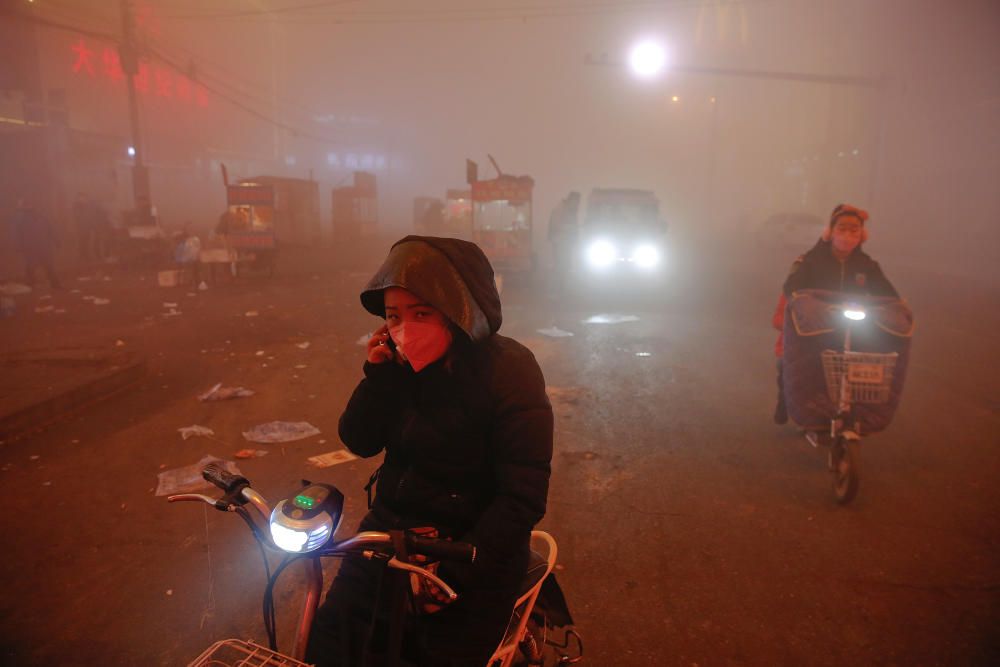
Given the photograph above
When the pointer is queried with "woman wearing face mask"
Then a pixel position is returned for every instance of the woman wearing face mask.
(836, 263)
(462, 417)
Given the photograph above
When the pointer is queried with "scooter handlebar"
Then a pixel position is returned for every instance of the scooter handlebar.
(222, 478)
(459, 552)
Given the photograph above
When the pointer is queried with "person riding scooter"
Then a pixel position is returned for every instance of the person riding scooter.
(835, 263)
(466, 427)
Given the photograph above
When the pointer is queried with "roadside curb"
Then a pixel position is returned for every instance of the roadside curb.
(35, 417)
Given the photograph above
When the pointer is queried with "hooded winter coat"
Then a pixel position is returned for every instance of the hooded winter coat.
(467, 440)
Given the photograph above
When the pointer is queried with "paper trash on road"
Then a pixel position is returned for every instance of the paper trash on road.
(302, 346)
(281, 432)
(188, 479)
(193, 430)
(555, 332)
(331, 458)
(14, 289)
(606, 318)
(220, 393)
(251, 453)
(101, 302)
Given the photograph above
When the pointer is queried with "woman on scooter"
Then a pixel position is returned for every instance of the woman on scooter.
(462, 416)
(835, 263)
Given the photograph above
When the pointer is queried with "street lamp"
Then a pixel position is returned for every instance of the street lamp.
(647, 59)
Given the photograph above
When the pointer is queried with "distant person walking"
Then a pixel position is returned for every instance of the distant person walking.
(563, 231)
(36, 241)
(85, 220)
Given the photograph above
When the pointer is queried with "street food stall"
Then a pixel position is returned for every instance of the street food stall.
(501, 221)
(248, 224)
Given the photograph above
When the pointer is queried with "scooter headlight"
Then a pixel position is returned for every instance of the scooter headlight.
(601, 254)
(646, 255)
(307, 521)
(855, 314)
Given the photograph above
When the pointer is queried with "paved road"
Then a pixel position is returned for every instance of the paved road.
(691, 529)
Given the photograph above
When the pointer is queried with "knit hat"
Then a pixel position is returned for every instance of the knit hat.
(844, 210)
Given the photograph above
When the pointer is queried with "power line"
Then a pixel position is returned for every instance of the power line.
(295, 131)
(460, 14)
(260, 12)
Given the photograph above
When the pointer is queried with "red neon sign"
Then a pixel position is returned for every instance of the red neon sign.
(159, 81)
(84, 58)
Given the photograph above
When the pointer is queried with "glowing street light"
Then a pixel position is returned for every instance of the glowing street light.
(647, 59)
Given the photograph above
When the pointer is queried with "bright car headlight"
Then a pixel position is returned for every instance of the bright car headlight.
(307, 521)
(854, 314)
(601, 254)
(646, 255)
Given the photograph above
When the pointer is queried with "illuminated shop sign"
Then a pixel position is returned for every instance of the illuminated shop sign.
(103, 62)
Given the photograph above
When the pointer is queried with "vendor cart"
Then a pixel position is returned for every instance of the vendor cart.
(501, 221)
(248, 225)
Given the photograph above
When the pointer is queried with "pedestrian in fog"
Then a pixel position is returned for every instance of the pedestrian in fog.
(36, 241)
(85, 221)
(563, 232)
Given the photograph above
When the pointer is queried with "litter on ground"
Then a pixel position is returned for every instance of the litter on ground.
(250, 453)
(610, 318)
(14, 289)
(279, 431)
(193, 430)
(220, 393)
(188, 478)
(555, 332)
(331, 458)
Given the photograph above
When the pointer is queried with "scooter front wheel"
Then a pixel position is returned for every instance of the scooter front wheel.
(846, 459)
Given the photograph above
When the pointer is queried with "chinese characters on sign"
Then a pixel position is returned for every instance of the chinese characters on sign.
(160, 81)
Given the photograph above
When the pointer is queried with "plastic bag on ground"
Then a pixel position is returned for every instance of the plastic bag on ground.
(193, 430)
(281, 432)
(188, 479)
(220, 393)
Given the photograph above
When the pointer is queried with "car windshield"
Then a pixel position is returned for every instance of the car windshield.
(623, 214)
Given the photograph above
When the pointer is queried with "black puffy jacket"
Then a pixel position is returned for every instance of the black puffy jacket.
(820, 269)
(468, 440)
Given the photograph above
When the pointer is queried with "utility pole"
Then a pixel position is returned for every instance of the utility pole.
(128, 54)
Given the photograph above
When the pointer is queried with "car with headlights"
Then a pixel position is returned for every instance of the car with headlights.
(622, 235)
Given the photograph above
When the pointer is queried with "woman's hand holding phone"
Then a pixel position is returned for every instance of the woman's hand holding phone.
(380, 348)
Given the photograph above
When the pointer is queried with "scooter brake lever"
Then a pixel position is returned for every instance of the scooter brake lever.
(397, 564)
(217, 504)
